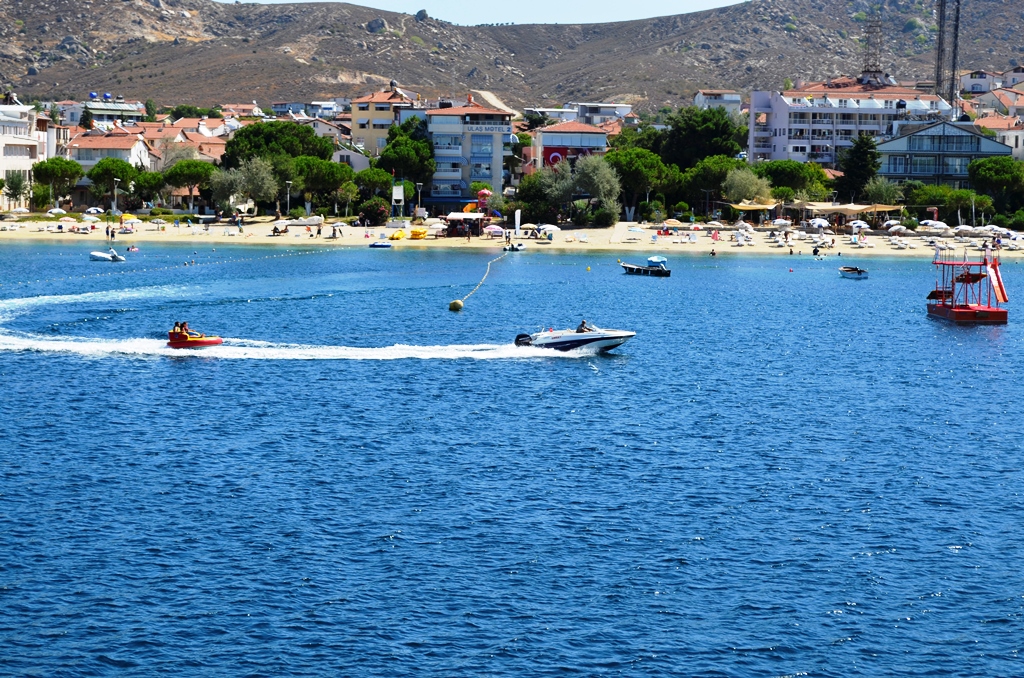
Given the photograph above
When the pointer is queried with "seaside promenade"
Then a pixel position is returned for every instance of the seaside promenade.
(623, 237)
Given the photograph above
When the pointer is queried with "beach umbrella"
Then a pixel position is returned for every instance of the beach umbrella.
(94, 210)
(818, 222)
(493, 229)
(781, 222)
(156, 221)
(551, 228)
(88, 217)
(20, 210)
(56, 210)
(897, 228)
(673, 222)
(128, 216)
(68, 220)
(829, 231)
(133, 220)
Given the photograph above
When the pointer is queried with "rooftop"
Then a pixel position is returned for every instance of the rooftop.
(572, 127)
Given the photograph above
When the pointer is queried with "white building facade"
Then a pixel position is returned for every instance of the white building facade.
(23, 142)
(728, 99)
(469, 145)
(811, 123)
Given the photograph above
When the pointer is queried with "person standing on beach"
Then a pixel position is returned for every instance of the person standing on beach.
(319, 227)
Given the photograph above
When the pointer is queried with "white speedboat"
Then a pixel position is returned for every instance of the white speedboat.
(853, 272)
(110, 255)
(593, 338)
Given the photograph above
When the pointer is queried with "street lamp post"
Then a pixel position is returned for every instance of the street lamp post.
(116, 182)
(418, 187)
(288, 209)
(707, 200)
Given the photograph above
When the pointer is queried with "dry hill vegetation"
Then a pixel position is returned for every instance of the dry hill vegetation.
(203, 52)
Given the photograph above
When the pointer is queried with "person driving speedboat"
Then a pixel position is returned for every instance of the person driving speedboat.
(584, 328)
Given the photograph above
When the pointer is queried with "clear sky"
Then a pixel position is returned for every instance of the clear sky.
(539, 11)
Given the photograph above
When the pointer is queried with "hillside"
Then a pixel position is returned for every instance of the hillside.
(203, 52)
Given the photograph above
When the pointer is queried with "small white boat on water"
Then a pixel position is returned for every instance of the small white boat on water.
(111, 255)
(514, 247)
(853, 272)
(566, 340)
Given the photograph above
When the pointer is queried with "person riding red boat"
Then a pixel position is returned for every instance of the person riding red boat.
(181, 336)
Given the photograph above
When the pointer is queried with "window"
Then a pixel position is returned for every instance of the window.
(381, 124)
(382, 107)
(960, 143)
(889, 103)
(449, 166)
(364, 107)
(955, 165)
(799, 149)
(923, 164)
(447, 141)
(481, 170)
(897, 164)
(382, 142)
(482, 144)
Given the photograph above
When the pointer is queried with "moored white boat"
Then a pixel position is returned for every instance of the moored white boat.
(110, 255)
(853, 272)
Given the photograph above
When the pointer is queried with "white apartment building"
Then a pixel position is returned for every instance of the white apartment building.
(1013, 77)
(728, 99)
(469, 145)
(810, 122)
(23, 142)
(106, 112)
(559, 114)
(595, 114)
(977, 82)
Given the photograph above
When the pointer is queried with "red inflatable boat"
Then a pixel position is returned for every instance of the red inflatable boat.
(191, 340)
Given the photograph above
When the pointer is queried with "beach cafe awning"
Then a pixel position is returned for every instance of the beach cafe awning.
(465, 216)
(849, 209)
(751, 206)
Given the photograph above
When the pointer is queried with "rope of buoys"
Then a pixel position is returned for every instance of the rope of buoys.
(457, 304)
(172, 266)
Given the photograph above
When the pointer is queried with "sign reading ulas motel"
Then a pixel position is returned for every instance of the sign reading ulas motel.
(504, 129)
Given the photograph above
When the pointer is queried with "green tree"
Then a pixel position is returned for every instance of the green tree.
(558, 182)
(638, 169)
(273, 139)
(374, 182)
(595, 177)
(1000, 177)
(190, 174)
(536, 120)
(107, 170)
(532, 200)
(16, 187)
(881, 191)
(859, 164)
(348, 193)
(645, 136)
(58, 172)
(86, 121)
(148, 185)
(742, 184)
(476, 186)
(795, 175)
(150, 110)
(41, 196)
(695, 134)
(256, 180)
(321, 178)
(408, 158)
(703, 182)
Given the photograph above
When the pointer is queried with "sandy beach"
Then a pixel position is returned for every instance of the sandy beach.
(619, 238)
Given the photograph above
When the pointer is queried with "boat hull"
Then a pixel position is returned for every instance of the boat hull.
(380, 244)
(969, 314)
(655, 271)
(570, 340)
(853, 273)
(105, 256)
(175, 340)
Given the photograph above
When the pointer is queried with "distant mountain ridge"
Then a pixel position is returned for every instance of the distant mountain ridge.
(203, 52)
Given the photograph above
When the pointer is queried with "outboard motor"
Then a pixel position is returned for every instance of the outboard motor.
(524, 340)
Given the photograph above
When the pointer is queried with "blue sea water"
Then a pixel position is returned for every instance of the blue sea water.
(784, 473)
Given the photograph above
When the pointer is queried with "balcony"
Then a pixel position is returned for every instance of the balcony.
(448, 173)
(448, 150)
(762, 129)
